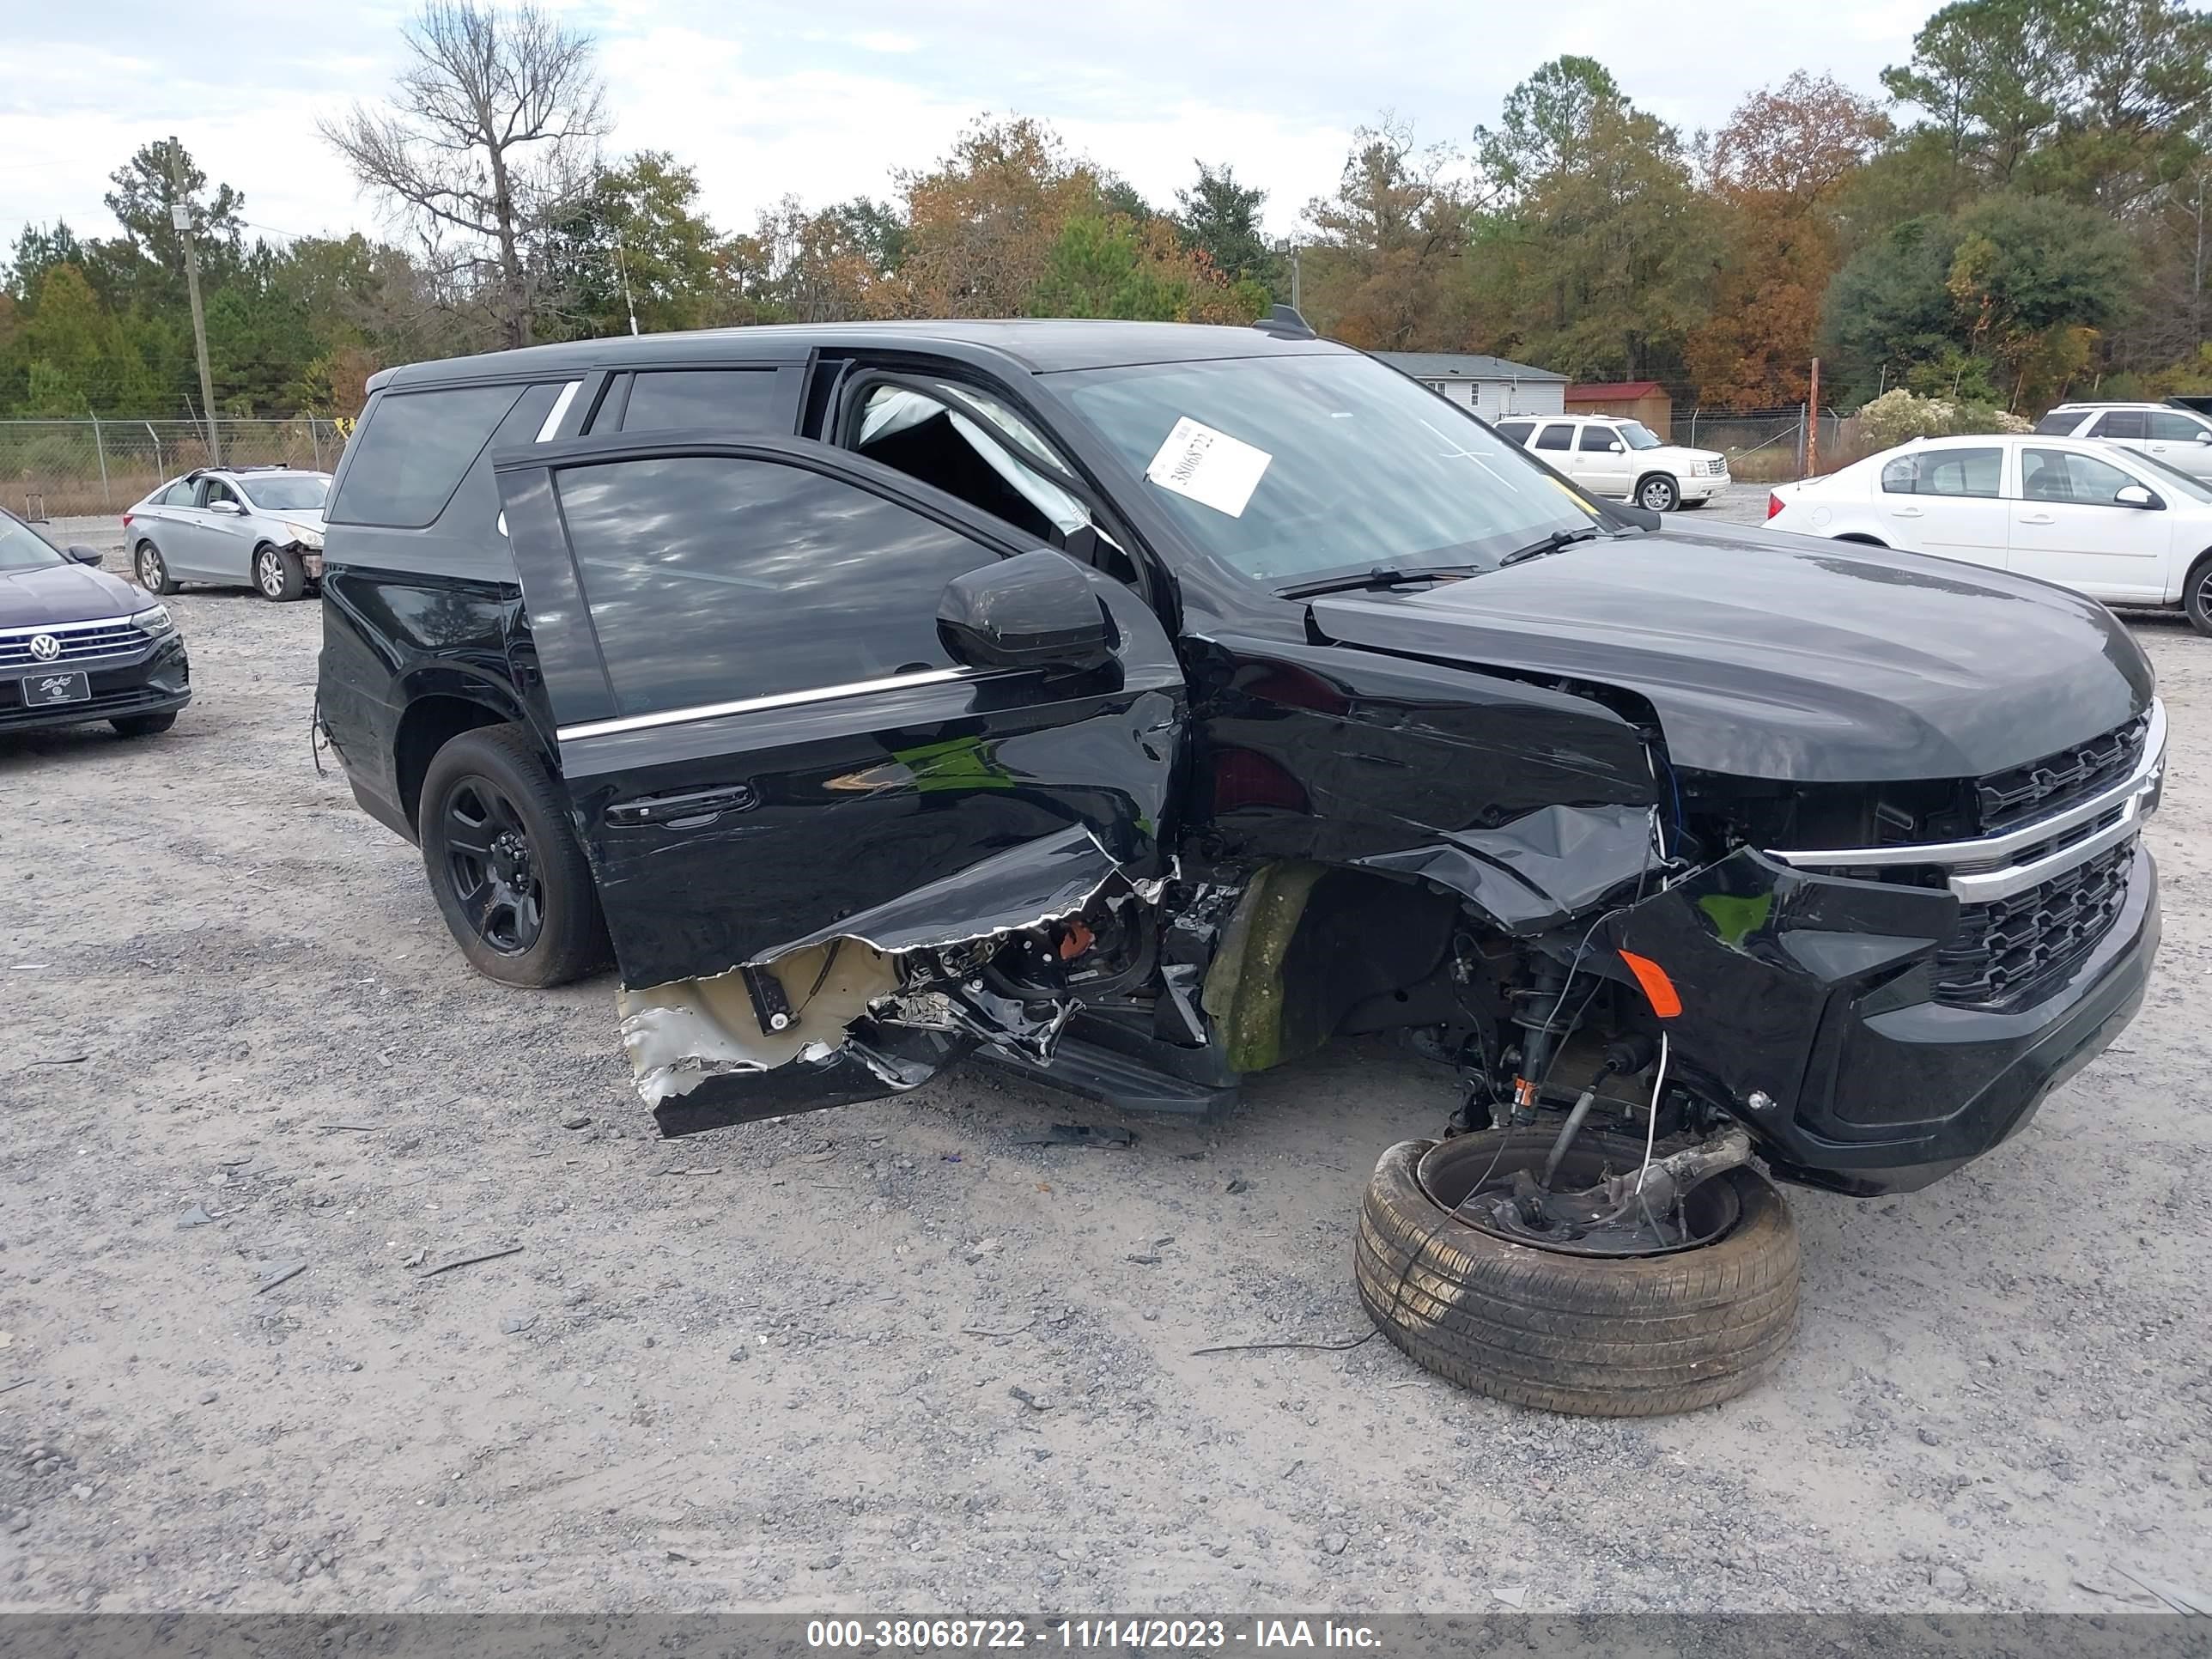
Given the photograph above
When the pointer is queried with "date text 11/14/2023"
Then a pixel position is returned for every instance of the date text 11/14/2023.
(1112, 1634)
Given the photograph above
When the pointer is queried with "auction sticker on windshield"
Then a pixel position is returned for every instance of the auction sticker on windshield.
(1211, 467)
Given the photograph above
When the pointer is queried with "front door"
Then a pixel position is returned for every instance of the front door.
(2070, 527)
(787, 781)
(1947, 501)
(1601, 461)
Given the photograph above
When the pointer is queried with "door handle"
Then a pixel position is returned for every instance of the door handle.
(685, 809)
(2038, 518)
(1907, 512)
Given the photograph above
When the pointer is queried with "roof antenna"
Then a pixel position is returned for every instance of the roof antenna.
(1284, 323)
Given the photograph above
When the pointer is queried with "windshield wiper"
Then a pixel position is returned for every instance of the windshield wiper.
(1382, 575)
(1551, 544)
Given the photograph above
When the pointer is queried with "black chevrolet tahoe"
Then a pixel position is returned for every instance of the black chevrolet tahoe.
(1145, 705)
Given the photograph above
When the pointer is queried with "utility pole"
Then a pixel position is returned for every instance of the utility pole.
(1294, 278)
(622, 264)
(180, 216)
(1813, 423)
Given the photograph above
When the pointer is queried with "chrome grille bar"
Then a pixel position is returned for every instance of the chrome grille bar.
(1996, 867)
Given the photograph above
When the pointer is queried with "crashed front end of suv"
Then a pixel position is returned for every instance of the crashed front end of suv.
(1830, 843)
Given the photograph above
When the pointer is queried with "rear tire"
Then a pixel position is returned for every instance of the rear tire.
(1636, 1336)
(504, 863)
(152, 570)
(2197, 595)
(279, 574)
(144, 726)
(1658, 493)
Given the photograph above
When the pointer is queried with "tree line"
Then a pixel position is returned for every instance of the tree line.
(2018, 215)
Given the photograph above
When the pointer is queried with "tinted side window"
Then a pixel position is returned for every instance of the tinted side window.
(1516, 432)
(2174, 428)
(2059, 423)
(407, 460)
(2121, 423)
(743, 399)
(1601, 439)
(1558, 435)
(711, 580)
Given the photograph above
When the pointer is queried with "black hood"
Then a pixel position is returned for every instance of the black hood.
(64, 594)
(1778, 656)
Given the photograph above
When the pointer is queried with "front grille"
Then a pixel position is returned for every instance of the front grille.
(79, 642)
(1713, 469)
(2044, 786)
(2008, 951)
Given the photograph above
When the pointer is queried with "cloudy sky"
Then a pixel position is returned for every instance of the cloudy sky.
(768, 97)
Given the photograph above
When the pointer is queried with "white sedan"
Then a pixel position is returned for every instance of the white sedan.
(2118, 527)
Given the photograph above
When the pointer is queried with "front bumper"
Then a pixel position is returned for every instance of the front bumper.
(1808, 1005)
(152, 682)
(1703, 487)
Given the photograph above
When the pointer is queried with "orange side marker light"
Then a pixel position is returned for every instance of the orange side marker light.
(1658, 989)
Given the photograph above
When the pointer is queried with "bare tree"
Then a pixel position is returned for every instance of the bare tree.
(492, 137)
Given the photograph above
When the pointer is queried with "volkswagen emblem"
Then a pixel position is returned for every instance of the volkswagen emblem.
(44, 646)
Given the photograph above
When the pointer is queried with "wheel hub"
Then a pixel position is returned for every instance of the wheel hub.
(510, 859)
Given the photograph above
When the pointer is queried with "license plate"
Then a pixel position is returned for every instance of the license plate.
(42, 690)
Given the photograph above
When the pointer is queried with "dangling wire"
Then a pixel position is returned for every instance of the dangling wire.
(1651, 1122)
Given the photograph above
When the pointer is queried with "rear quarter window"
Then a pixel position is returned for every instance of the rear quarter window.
(664, 399)
(413, 452)
(2059, 423)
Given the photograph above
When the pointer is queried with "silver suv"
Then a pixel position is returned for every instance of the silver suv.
(261, 526)
(2180, 437)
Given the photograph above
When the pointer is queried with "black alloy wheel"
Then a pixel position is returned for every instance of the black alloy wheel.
(493, 867)
(504, 863)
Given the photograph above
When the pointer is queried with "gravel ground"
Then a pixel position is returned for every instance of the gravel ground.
(886, 1358)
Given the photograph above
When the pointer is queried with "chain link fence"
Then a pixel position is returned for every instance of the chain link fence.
(50, 469)
(1767, 445)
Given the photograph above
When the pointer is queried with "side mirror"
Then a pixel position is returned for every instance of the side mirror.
(232, 507)
(83, 554)
(1034, 611)
(2203, 436)
(1616, 447)
(2135, 495)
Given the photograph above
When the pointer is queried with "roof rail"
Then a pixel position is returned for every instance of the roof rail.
(1284, 322)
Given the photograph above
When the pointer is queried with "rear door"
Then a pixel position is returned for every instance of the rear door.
(2070, 527)
(769, 743)
(1947, 500)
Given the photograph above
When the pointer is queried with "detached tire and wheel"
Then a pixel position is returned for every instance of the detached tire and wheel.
(1599, 1335)
(279, 574)
(1658, 493)
(151, 570)
(503, 862)
(2197, 596)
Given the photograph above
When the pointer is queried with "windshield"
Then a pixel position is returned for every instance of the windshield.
(1639, 435)
(1288, 467)
(23, 548)
(302, 492)
(2172, 476)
